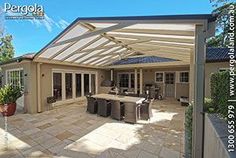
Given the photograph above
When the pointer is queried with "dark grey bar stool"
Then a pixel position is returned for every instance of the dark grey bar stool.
(104, 107)
(117, 110)
(92, 105)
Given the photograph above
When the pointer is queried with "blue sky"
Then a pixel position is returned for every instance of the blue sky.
(31, 36)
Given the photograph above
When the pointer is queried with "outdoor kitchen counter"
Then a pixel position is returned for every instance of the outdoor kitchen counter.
(120, 98)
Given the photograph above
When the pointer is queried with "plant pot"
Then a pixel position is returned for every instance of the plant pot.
(11, 109)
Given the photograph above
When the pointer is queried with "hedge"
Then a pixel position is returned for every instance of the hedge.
(220, 93)
(188, 131)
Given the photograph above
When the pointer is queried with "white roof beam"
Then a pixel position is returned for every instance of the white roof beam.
(93, 33)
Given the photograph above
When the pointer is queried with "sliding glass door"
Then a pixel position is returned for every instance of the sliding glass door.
(86, 84)
(93, 83)
(68, 84)
(57, 86)
(78, 85)
(71, 85)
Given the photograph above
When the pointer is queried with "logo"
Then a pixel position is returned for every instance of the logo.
(34, 11)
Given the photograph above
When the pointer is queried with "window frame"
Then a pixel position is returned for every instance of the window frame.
(130, 81)
(180, 72)
(163, 78)
(12, 70)
(74, 72)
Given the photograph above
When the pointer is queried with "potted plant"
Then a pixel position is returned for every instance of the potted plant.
(8, 96)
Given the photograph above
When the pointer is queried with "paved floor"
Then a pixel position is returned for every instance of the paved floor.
(69, 131)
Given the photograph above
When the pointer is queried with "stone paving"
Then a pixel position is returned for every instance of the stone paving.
(68, 131)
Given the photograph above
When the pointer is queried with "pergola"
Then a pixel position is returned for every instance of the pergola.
(98, 42)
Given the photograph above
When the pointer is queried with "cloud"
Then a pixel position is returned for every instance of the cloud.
(63, 24)
(47, 22)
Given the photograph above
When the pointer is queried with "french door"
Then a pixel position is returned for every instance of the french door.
(71, 85)
(170, 84)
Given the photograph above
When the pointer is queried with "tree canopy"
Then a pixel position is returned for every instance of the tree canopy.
(6, 48)
(221, 9)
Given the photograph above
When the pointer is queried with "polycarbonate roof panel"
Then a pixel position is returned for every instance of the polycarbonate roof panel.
(75, 47)
(90, 60)
(110, 50)
(97, 43)
(75, 56)
(126, 34)
(78, 30)
(53, 50)
(94, 53)
(162, 27)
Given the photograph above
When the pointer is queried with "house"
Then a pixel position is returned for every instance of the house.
(168, 50)
(172, 80)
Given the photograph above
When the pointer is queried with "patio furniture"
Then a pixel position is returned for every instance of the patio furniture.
(104, 107)
(184, 101)
(143, 96)
(50, 101)
(92, 105)
(117, 110)
(130, 112)
(145, 109)
(121, 98)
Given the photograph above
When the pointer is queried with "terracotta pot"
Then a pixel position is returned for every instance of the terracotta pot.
(11, 109)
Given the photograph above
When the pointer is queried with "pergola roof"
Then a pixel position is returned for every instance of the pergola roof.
(98, 42)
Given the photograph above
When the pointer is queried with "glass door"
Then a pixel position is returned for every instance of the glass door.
(57, 86)
(78, 85)
(68, 85)
(86, 84)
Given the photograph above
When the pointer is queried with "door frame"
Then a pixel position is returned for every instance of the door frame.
(174, 83)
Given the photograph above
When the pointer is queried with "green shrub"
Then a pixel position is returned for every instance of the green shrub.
(188, 130)
(9, 94)
(220, 83)
(209, 106)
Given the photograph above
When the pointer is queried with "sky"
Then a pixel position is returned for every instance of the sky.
(30, 36)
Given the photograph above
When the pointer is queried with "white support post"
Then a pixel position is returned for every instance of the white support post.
(141, 81)
(112, 75)
(63, 80)
(82, 84)
(73, 86)
(90, 83)
(135, 81)
(39, 108)
(199, 72)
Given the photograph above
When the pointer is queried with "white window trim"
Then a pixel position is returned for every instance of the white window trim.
(129, 73)
(163, 76)
(82, 72)
(10, 70)
(180, 76)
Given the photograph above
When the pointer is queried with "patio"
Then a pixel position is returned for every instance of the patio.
(68, 131)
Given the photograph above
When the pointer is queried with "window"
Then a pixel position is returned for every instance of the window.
(57, 86)
(124, 80)
(169, 78)
(68, 80)
(15, 77)
(93, 79)
(184, 77)
(86, 84)
(159, 77)
(78, 85)
(132, 80)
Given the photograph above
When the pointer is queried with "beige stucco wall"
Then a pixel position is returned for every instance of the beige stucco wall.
(30, 97)
(46, 80)
(209, 69)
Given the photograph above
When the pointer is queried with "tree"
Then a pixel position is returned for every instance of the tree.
(221, 9)
(6, 48)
